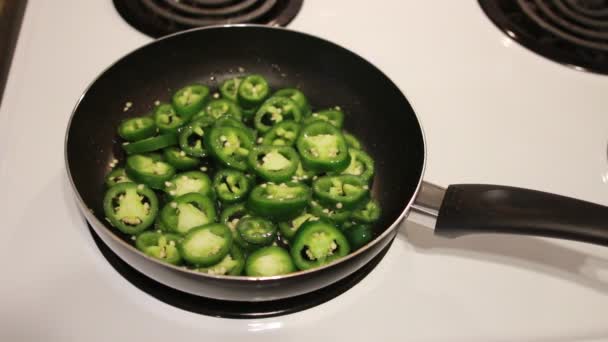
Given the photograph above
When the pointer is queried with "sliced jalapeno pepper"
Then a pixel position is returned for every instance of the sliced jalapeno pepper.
(232, 215)
(189, 100)
(207, 245)
(179, 159)
(130, 207)
(318, 243)
(191, 138)
(218, 108)
(249, 113)
(369, 213)
(279, 202)
(256, 231)
(232, 264)
(333, 116)
(231, 185)
(167, 120)
(333, 215)
(230, 87)
(159, 246)
(252, 91)
(149, 169)
(361, 164)
(358, 234)
(232, 122)
(274, 163)
(189, 182)
(322, 148)
(188, 211)
(229, 145)
(269, 261)
(344, 191)
(274, 110)
(351, 141)
(289, 228)
(284, 133)
(150, 144)
(137, 128)
(296, 96)
(116, 176)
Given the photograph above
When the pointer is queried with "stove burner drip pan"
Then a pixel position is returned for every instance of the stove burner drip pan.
(158, 18)
(570, 32)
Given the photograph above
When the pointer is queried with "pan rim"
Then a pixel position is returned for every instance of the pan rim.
(243, 279)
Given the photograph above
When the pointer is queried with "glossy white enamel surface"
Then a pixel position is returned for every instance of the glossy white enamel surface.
(492, 112)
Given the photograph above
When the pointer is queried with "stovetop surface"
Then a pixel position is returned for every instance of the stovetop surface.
(492, 110)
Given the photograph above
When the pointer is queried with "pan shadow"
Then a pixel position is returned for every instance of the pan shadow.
(536, 254)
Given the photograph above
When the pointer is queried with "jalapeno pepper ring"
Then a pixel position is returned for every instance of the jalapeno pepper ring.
(322, 148)
(345, 191)
(130, 207)
(189, 100)
(275, 110)
(206, 245)
(279, 202)
(188, 211)
(274, 163)
(318, 243)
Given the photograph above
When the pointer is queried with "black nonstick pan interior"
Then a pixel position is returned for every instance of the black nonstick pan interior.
(329, 75)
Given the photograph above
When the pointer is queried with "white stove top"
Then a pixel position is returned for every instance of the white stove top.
(492, 111)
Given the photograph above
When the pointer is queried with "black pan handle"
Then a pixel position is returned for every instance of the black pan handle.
(476, 208)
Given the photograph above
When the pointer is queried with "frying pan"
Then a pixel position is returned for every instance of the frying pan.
(377, 112)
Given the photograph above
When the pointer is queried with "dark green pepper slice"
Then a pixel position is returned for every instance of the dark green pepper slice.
(361, 164)
(252, 91)
(148, 169)
(333, 215)
(150, 144)
(167, 120)
(296, 96)
(229, 121)
(343, 191)
(322, 148)
(207, 245)
(279, 202)
(189, 182)
(159, 246)
(230, 87)
(274, 110)
(229, 145)
(188, 211)
(191, 138)
(269, 261)
(369, 213)
(289, 228)
(358, 234)
(137, 128)
(130, 207)
(249, 113)
(189, 100)
(231, 185)
(232, 264)
(116, 176)
(284, 133)
(318, 243)
(274, 163)
(257, 231)
(351, 141)
(179, 159)
(217, 108)
(333, 116)
(232, 215)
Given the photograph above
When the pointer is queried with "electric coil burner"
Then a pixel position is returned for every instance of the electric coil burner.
(230, 309)
(571, 32)
(157, 18)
